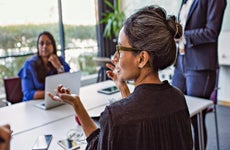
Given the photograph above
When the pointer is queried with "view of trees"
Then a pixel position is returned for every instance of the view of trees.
(16, 36)
(18, 42)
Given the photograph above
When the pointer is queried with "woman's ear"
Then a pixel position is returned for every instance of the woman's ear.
(143, 59)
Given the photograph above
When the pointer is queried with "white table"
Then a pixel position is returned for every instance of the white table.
(92, 99)
(196, 106)
(59, 129)
(28, 121)
(25, 116)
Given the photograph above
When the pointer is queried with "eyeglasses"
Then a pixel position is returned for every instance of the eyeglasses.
(47, 43)
(151, 52)
(123, 48)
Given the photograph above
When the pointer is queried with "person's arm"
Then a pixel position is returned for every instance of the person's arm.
(29, 80)
(210, 31)
(65, 64)
(121, 85)
(94, 135)
(59, 63)
(124, 89)
(5, 137)
(39, 94)
(87, 123)
(29, 90)
(101, 138)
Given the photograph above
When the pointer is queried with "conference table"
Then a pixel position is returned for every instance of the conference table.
(28, 121)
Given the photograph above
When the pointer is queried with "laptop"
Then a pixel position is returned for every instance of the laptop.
(69, 80)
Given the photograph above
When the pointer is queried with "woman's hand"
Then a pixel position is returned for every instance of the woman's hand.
(111, 73)
(63, 95)
(5, 137)
(53, 59)
(121, 85)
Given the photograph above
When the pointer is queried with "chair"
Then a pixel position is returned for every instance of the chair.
(13, 90)
(213, 97)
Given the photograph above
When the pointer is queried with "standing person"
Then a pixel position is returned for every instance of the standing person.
(155, 115)
(197, 61)
(44, 63)
(5, 137)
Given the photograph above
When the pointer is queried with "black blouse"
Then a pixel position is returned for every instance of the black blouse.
(153, 117)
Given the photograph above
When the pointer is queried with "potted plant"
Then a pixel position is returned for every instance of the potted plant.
(114, 20)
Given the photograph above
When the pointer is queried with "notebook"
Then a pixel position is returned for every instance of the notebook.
(70, 80)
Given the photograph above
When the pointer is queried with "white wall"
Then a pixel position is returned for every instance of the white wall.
(129, 6)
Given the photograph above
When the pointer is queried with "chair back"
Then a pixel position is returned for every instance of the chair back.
(13, 89)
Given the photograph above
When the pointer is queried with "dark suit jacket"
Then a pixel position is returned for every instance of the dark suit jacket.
(202, 30)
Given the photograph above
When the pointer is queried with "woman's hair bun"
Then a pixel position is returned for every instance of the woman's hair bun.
(174, 27)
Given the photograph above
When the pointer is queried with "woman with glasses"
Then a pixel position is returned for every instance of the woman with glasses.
(155, 115)
(44, 63)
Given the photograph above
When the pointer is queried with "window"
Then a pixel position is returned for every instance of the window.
(22, 21)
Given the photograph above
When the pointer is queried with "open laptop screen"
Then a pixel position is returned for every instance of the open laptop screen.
(70, 80)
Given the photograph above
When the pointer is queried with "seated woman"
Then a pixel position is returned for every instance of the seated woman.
(36, 68)
(155, 115)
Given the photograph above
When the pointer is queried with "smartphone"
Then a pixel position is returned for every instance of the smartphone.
(109, 90)
(68, 144)
(42, 142)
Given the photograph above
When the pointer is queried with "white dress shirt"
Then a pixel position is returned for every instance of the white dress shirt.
(182, 18)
